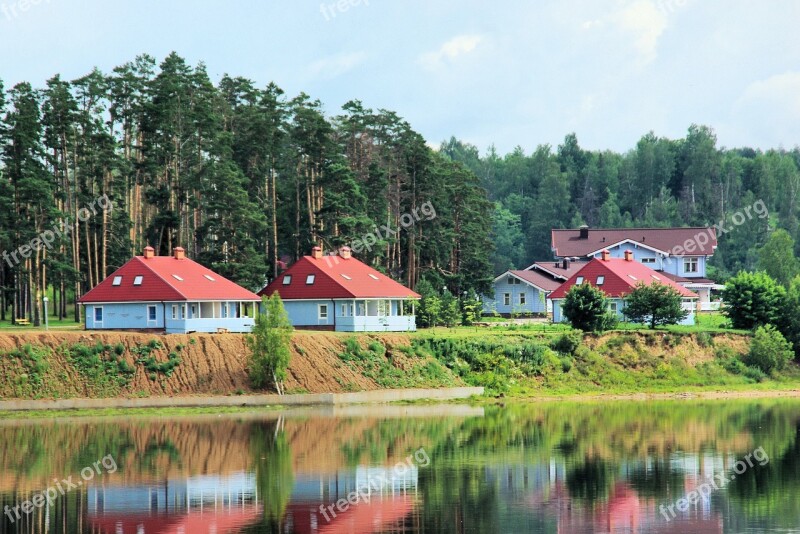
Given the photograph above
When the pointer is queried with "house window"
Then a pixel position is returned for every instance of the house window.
(98, 314)
(344, 310)
(579, 281)
(209, 278)
(174, 311)
(648, 260)
(138, 280)
(522, 299)
(632, 277)
(612, 306)
(506, 299)
(310, 279)
(323, 312)
(194, 311)
(178, 278)
(287, 279)
(373, 276)
(346, 277)
(601, 280)
(183, 311)
(117, 281)
(151, 313)
(690, 265)
(224, 310)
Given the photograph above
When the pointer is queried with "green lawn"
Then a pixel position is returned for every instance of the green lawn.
(54, 324)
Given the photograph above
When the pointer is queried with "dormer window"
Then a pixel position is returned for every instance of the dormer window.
(310, 279)
(137, 281)
(287, 279)
(178, 278)
(117, 281)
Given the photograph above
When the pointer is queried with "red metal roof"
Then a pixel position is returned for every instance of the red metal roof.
(159, 283)
(621, 276)
(568, 243)
(557, 271)
(335, 277)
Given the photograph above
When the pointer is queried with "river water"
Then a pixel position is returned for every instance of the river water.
(557, 467)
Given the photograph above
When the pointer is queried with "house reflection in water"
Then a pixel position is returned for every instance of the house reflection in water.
(231, 502)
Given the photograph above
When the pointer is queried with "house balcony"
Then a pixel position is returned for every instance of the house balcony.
(376, 323)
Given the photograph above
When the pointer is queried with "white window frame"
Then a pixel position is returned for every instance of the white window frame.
(154, 319)
(506, 299)
(183, 312)
(522, 298)
(223, 310)
(579, 281)
(94, 315)
(117, 281)
(612, 307)
(174, 312)
(601, 280)
(137, 280)
(648, 260)
(310, 279)
(320, 315)
(692, 262)
(287, 279)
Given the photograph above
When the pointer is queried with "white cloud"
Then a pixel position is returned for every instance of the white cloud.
(642, 21)
(333, 66)
(449, 51)
(781, 91)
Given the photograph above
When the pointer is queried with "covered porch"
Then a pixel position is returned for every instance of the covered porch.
(376, 315)
(211, 316)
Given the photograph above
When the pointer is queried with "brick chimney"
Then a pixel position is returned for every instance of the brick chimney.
(316, 253)
(345, 253)
(149, 252)
(606, 255)
(628, 255)
(179, 253)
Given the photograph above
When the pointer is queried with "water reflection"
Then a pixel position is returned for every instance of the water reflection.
(560, 468)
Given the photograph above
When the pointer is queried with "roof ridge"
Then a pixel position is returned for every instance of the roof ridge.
(141, 260)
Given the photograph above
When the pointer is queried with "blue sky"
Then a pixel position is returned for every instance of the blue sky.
(505, 72)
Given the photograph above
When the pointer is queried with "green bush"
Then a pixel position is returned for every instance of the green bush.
(753, 299)
(769, 350)
(567, 343)
(704, 339)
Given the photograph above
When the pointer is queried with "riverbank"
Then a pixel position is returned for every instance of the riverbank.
(525, 363)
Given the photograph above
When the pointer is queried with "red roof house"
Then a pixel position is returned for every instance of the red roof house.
(338, 292)
(617, 277)
(169, 293)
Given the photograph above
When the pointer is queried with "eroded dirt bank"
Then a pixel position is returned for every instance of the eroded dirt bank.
(115, 363)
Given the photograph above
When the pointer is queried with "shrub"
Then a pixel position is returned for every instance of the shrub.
(753, 299)
(769, 350)
(567, 343)
(586, 308)
(704, 339)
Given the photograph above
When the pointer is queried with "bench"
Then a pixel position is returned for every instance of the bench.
(22, 322)
(222, 330)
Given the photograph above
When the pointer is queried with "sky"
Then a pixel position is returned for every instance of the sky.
(503, 73)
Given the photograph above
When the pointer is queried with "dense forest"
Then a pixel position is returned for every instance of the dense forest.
(659, 183)
(247, 179)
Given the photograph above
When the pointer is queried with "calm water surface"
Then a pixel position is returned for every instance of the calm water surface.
(554, 468)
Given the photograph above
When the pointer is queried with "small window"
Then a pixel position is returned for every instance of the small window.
(323, 312)
(178, 278)
(117, 281)
(373, 277)
(310, 279)
(346, 277)
(138, 280)
(344, 310)
(632, 277)
(690, 265)
(522, 299)
(601, 280)
(579, 280)
(98, 314)
(612, 306)
(174, 311)
(648, 260)
(183, 311)
(151, 313)
(209, 278)
(506, 299)
(287, 279)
